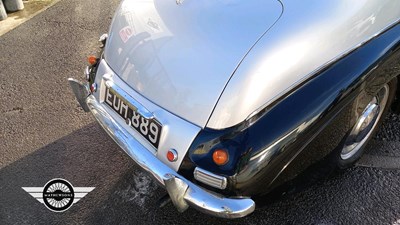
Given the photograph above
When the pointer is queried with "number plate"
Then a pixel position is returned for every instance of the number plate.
(148, 128)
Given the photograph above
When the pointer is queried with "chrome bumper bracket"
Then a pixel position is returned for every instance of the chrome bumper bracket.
(176, 189)
(81, 91)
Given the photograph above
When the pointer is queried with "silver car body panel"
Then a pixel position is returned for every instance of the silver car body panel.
(308, 36)
(176, 133)
(181, 56)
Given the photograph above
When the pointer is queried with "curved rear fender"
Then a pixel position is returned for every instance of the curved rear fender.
(269, 142)
(318, 112)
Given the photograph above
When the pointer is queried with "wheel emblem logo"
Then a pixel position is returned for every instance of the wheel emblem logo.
(58, 195)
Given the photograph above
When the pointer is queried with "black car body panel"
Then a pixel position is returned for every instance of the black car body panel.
(262, 150)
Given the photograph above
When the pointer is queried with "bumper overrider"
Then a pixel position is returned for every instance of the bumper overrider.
(182, 192)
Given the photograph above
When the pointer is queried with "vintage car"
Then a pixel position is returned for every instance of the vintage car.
(222, 101)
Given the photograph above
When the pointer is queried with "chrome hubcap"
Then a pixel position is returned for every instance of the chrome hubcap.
(365, 124)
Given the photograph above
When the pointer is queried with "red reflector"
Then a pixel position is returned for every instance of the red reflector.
(172, 155)
(93, 87)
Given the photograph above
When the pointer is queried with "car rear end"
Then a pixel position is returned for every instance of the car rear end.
(154, 87)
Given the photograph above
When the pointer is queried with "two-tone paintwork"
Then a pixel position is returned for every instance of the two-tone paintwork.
(308, 36)
(216, 63)
(305, 125)
(272, 82)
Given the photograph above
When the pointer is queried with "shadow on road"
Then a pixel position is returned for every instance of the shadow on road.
(124, 194)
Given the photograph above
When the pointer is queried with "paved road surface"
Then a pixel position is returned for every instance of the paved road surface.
(44, 135)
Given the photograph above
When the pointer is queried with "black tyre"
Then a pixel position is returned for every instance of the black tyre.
(367, 116)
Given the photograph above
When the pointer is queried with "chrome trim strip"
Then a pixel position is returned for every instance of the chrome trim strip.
(209, 178)
(131, 101)
(318, 70)
(183, 193)
(263, 83)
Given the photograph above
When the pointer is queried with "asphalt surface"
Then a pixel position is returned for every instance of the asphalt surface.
(45, 135)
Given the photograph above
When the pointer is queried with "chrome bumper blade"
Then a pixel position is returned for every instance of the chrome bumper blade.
(182, 192)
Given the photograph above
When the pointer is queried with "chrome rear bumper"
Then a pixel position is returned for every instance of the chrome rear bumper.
(181, 191)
